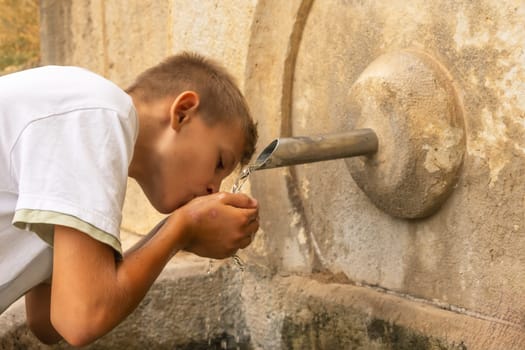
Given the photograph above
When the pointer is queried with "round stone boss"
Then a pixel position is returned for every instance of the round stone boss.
(408, 98)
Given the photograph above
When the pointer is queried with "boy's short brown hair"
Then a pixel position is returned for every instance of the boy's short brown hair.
(220, 98)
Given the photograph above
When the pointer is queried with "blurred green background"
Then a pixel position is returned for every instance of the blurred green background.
(19, 35)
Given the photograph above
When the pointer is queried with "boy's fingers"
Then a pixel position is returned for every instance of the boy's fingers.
(238, 200)
(245, 242)
(249, 216)
(247, 239)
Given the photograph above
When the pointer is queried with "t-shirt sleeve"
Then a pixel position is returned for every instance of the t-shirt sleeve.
(72, 170)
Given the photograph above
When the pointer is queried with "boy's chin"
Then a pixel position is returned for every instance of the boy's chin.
(165, 208)
(170, 208)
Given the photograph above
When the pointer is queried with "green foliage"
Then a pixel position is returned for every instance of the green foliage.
(19, 34)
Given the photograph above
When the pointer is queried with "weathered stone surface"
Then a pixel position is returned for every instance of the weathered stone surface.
(469, 254)
(409, 100)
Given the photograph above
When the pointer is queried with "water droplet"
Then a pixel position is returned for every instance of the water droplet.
(210, 266)
(238, 261)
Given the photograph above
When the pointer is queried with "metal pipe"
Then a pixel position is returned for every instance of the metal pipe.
(307, 149)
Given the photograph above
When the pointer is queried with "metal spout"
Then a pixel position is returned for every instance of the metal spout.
(307, 149)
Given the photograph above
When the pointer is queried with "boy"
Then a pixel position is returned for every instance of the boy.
(68, 141)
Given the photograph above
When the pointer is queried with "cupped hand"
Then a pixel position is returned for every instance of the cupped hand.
(217, 225)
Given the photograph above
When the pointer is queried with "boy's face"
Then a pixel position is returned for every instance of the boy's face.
(194, 160)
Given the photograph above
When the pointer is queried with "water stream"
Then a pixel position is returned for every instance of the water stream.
(237, 187)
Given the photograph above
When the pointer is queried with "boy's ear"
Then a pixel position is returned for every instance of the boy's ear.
(180, 109)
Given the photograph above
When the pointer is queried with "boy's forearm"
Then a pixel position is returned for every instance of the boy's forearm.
(37, 302)
(94, 293)
(146, 238)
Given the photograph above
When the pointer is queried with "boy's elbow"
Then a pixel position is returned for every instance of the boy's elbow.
(78, 329)
(43, 335)
(77, 339)
(74, 334)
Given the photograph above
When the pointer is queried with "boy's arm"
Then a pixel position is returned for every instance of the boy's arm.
(91, 293)
(38, 301)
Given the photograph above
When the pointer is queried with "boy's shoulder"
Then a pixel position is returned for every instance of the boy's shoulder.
(56, 74)
(66, 85)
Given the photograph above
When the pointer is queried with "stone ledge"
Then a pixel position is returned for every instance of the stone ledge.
(193, 306)
(382, 320)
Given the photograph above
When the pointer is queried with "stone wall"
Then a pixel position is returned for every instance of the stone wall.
(459, 273)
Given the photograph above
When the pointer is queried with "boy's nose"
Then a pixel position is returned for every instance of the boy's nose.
(212, 189)
(214, 186)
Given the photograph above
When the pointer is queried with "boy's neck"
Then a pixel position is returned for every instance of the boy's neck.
(153, 119)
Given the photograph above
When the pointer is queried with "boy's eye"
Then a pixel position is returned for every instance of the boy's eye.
(220, 164)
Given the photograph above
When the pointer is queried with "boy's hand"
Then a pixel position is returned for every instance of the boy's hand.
(216, 226)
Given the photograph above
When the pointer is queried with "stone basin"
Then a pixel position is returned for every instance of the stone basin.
(197, 305)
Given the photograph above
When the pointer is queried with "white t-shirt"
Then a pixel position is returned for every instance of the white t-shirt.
(66, 141)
